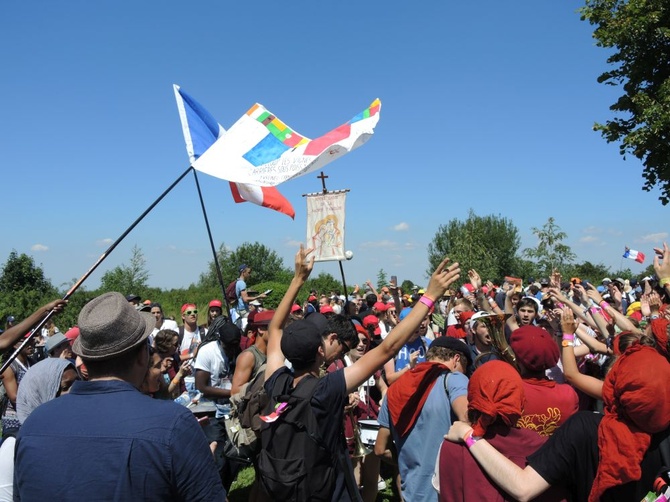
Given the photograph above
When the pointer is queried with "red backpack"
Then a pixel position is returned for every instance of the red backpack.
(231, 294)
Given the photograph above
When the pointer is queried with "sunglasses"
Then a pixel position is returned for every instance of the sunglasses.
(191, 312)
(345, 345)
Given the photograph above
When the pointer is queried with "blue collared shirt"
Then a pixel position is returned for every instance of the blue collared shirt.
(107, 441)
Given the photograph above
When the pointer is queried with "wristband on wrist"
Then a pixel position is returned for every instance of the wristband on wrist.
(176, 380)
(604, 305)
(427, 301)
(469, 439)
(664, 281)
(568, 336)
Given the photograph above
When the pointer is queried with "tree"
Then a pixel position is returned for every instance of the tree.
(265, 263)
(23, 287)
(486, 243)
(588, 271)
(639, 33)
(127, 279)
(550, 252)
(382, 279)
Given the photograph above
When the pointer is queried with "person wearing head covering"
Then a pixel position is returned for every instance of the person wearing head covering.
(129, 446)
(548, 404)
(43, 382)
(495, 404)
(613, 456)
(418, 410)
(305, 347)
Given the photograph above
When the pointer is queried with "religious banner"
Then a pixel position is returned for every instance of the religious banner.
(325, 225)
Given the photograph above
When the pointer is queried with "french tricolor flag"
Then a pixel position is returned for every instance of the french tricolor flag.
(201, 130)
(634, 255)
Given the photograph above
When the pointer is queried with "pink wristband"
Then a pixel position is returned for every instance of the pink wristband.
(568, 336)
(469, 439)
(604, 305)
(427, 301)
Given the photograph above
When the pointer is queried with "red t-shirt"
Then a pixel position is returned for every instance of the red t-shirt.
(548, 405)
(463, 480)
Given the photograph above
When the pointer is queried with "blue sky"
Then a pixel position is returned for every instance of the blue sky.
(485, 105)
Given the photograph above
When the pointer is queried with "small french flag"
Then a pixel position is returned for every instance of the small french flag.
(634, 255)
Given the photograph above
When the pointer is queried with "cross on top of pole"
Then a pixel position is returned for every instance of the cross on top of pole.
(323, 177)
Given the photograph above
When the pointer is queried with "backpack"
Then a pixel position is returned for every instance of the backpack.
(243, 425)
(231, 293)
(293, 463)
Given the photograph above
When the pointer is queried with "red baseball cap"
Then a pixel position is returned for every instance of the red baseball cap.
(215, 303)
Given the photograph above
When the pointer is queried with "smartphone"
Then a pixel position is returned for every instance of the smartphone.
(394, 280)
(268, 292)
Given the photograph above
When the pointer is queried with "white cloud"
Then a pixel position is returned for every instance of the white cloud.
(592, 230)
(292, 244)
(589, 239)
(401, 227)
(653, 238)
(103, 242)
(39, 247)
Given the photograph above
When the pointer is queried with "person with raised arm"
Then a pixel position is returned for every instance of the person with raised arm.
(302, 344)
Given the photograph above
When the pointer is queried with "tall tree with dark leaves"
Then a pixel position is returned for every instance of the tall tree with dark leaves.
(637, 33)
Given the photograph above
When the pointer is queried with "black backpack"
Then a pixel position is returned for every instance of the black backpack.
(294, 463)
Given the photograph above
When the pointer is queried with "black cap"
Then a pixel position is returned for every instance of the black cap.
(300, 342)
(454, 344)
(131, 298)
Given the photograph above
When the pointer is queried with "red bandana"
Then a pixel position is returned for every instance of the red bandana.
(637, 404)
(408, 394)
(495, 390)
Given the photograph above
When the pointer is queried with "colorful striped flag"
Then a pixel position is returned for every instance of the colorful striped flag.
(201, 130)
(634, 255)
(260, 149)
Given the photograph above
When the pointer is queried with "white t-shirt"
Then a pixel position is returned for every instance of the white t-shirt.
(212, 360)
(190, 339)
(167, 324)
(7, 470)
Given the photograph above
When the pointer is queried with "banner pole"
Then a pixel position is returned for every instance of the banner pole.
(77, 284)
(211, 243)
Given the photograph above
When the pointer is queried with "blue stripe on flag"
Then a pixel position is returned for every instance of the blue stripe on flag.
(203, 127)
(266, 150)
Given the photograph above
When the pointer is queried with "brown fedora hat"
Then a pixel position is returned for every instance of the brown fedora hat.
(110, 326)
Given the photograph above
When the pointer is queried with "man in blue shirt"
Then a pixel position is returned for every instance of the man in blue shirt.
(128, 446)
(417, 410)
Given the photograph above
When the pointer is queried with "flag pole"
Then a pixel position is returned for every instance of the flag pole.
(211, 243)
(76, 285)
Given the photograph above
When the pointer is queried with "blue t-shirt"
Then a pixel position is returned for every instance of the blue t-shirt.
(240, 286)
(417, 451)
(107, 441)
(421, 345)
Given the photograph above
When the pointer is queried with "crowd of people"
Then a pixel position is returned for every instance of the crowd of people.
(468, 389)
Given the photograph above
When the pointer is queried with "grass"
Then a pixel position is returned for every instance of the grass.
(239, 491)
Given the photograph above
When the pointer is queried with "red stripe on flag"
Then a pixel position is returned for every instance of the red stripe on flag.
(318, 145)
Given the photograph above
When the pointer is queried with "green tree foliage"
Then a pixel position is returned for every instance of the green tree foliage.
(127, 279)
(23, 287)
(382, 279)
(550, 253)
(324, 283)
(486, 243)
(265, 263)
(588, 271)
(638, 31)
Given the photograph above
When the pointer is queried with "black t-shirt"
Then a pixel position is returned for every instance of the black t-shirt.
(328, 403)
(570, 459)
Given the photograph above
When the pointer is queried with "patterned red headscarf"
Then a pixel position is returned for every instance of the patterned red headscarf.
(636, 395)
(496, 391)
